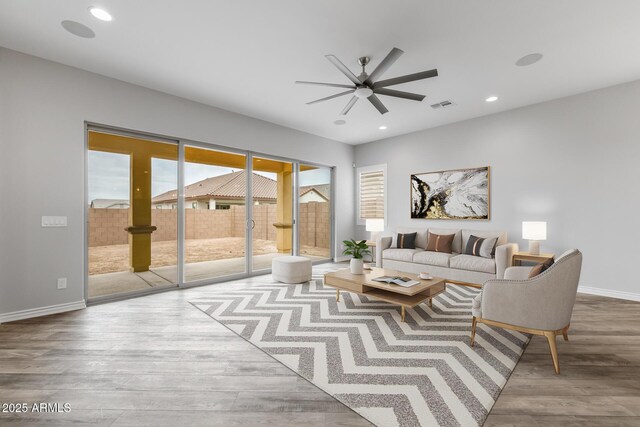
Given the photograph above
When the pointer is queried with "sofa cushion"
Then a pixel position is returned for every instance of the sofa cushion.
(456, 246)
(540, 268)
(473, 263)
(421, 236)
(406, 241)
(485, 234)
(439, 259)
(478, 246)
(405, 255)
(440, 242)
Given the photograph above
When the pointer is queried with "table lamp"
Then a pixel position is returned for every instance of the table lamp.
(534, 231)
(374, 226)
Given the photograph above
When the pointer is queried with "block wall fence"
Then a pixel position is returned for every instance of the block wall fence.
(106, 226)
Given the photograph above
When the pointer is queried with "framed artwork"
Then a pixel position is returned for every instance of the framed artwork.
(452, 194)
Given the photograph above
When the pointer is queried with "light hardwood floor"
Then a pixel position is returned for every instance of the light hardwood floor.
(599, 381)
(157, 360)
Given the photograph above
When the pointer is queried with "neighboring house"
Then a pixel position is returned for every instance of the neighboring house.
(110, 204)
(220, 192)
(315, 193)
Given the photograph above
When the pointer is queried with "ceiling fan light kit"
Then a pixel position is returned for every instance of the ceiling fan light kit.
(363, 92)
(367, 86)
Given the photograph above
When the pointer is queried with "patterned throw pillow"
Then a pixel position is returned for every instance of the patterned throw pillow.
(541, 267)
(483, 247)
(406, 241)
(440, 242)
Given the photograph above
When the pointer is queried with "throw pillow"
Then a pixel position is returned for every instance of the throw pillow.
(540, 268)
(406, 241)
(482, 247)
(440, 242)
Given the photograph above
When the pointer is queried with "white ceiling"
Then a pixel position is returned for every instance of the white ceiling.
(244, 55)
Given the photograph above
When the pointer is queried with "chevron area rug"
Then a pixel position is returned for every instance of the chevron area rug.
(419, 373)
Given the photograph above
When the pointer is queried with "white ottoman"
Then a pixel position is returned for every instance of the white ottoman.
(291, 269)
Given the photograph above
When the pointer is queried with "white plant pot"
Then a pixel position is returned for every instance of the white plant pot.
(357, 266)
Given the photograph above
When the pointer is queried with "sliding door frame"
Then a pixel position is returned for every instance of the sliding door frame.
(214, 147)
(181, 143)
(113, 130)
(332, 207)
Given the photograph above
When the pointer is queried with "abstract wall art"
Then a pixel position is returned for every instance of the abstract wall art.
(452, 194)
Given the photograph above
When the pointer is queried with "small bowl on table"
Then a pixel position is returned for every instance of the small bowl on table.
(425, 275)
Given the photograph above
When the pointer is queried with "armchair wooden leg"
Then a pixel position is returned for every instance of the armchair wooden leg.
(565, 333)
(551, 337)
(473, 330)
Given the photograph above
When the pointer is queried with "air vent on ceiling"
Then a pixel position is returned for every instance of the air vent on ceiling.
(443, 104)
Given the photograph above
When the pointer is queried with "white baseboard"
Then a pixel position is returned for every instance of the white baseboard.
(609, 293)
(341, 258)
(41, 311)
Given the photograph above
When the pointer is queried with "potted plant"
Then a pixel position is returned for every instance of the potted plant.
(357, 250)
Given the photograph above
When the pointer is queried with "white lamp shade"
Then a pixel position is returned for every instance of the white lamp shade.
(374, 224)
(534, 230)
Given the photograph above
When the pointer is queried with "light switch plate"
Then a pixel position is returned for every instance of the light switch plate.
(54, 221)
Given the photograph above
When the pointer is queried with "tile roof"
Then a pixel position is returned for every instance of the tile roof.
(323, 189)
(231, 185)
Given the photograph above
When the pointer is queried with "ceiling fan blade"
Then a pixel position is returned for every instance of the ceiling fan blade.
(384, 65)
(343, 68)
(378, 104)
(399, 94)
(330, 97)
(324, 84)
(350, 104)
(405, 79)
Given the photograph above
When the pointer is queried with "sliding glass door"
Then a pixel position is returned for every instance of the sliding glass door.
(164, 213)
(130, 246)
(215, 191)
(314, 212)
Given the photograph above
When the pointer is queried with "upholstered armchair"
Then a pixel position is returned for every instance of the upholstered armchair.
(541, 305)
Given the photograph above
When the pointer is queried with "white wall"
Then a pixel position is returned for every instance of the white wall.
(44, 106)
(572, 162)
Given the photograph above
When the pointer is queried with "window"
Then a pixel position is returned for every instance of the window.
(371, 185)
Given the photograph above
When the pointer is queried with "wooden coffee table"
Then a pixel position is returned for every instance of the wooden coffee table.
(362, 284)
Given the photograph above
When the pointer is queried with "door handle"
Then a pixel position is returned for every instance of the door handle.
(253, 224)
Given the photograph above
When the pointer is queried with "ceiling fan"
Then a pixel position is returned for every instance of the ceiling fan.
(367, 86)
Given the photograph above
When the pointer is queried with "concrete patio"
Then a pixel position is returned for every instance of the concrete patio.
(166, 276)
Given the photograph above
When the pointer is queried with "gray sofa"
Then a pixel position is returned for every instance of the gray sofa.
(456, 266)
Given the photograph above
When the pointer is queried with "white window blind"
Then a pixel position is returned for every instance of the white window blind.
(371, 194)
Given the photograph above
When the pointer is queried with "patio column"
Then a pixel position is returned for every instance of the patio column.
(140, 227)
(284, 212)
(141, 152)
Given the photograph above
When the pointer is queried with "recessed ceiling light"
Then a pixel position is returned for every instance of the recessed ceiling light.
(339, 122)
(530, 59)
(101, 14)
(77, 29)
(492, 99)
(382, 127)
